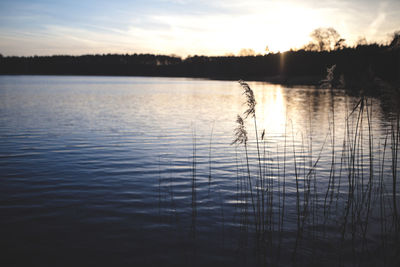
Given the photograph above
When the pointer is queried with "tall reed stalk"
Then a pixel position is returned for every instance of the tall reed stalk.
(360, 186)
(241, 138)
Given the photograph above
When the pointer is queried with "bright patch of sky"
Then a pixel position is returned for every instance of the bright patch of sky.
(185, 27)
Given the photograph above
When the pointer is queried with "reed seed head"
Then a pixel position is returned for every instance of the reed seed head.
(250, 99)
(327, 82)
(240, 132)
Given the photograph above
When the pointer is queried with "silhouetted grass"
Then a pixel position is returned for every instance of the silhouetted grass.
(353, 210)
(298, 210)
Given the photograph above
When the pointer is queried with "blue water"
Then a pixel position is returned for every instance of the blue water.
(101, 170)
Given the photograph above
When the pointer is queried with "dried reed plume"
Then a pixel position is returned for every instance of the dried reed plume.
(327, 82)
(240, 132)
(250, 99)
(251, 110)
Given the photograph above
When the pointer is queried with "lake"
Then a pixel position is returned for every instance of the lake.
(142, 171)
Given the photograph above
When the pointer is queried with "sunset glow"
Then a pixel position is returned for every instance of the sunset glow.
(185, 27)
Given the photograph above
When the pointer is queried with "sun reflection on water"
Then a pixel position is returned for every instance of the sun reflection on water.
(271, 107)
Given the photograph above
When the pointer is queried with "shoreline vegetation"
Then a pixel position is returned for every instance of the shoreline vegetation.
(359, 192)
(306, 204)
(365, 67)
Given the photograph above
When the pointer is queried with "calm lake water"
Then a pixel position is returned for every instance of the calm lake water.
(141, 171)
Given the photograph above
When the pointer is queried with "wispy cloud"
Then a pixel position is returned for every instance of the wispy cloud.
(184, 26)
(376, 24)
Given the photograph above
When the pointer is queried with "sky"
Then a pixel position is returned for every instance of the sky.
(185, 27)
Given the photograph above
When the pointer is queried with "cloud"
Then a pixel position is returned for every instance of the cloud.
(187, 27)
(376, 24)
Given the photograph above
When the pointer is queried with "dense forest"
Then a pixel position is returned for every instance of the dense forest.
(356, 65)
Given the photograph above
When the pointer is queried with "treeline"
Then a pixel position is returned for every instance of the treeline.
(355, 64)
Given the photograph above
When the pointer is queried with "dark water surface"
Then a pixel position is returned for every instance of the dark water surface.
(139, 171)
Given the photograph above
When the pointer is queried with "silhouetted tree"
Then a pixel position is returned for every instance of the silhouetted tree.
(291, 67)
(246, 52)
(325, 39)
(340, 44)
(361, 41)
(395, 44)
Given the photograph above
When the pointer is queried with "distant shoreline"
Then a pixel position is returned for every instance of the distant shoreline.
(359, 67)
